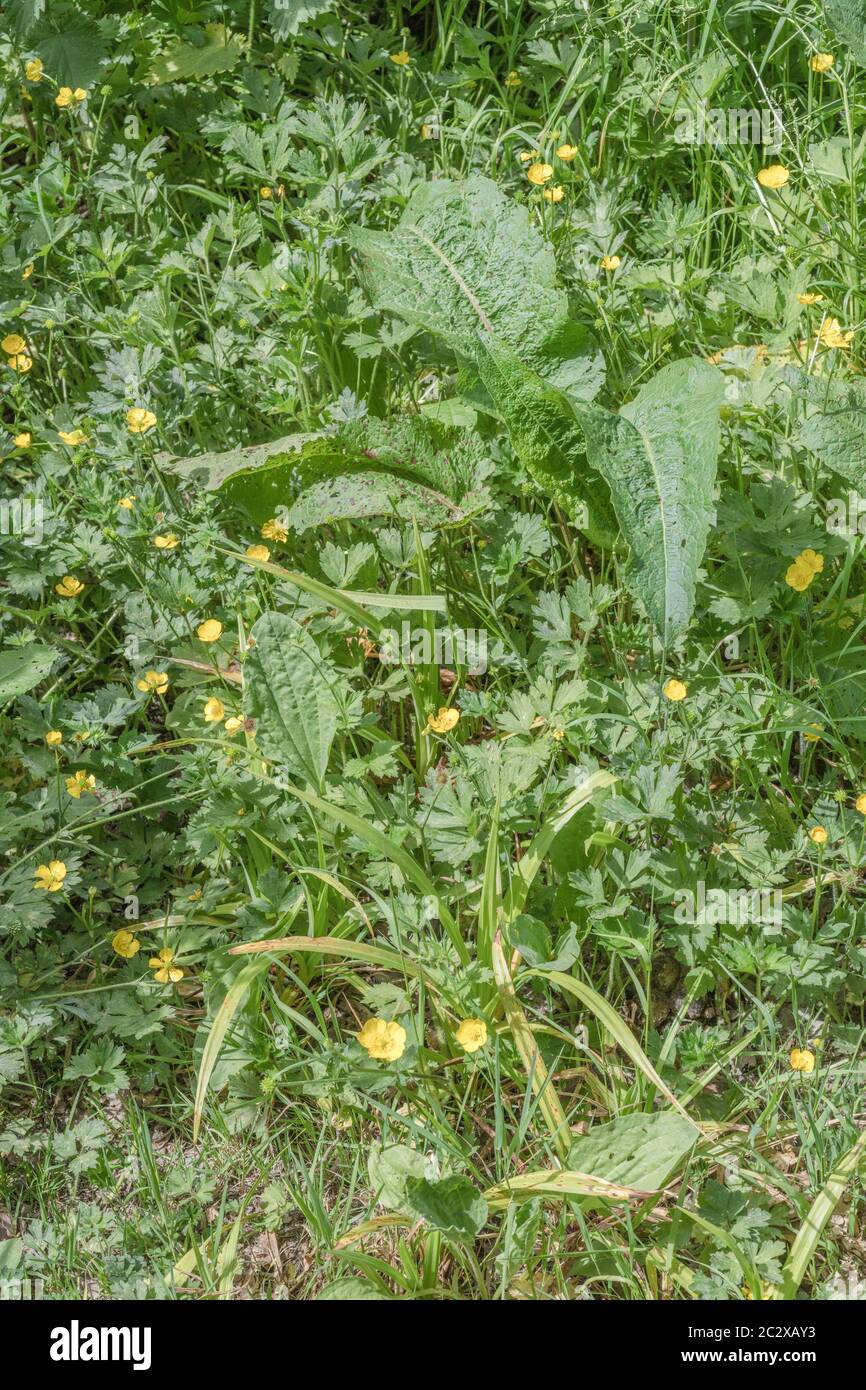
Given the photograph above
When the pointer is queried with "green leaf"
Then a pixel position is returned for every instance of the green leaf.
(658, 457)
(848, 19)
(287, 17)
(72, 53)
(639, 1151)
(452, 1205)
(221, 51)
(24, 667)
(389, 1168)
(837, 436)
(806, 1241)
(351, 1291)
(464, 256)
(213, 470)
(234, 997)
(547, 438)
(287, 692)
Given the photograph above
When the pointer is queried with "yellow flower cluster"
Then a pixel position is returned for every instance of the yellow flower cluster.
(800, 574)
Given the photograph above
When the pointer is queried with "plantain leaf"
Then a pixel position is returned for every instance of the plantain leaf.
(547, 438)
(658, 457)
(23, 667)
(451, 1205)
(641, 1151)
(464, 256)
(287, 692)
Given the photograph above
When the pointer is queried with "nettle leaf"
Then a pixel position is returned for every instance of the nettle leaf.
(287, 692)
(452, 1205)
(221, 51)
(641, 1151)
(23, 668)
(464, 256)
(547, 438)
(848, 18)
(658, 457)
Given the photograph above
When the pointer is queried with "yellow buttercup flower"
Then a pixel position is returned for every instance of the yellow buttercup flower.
(80, 94)
(834, 336)
(214, 711)
(526, 155)
(384, 1041)
(472, 1034)
(54, 738)
(33, 70)
(566, 152)
(13, 343)
(821, 62)
(513, 79)
(157, 681)
(800, 574)
(165, 972)
(813, 733)
(50, 876)
(818, 835)
(27, 272)
(809, 297)
(166, 542)
(401, 58)
(20, 363)
(803, 1060)
(139, 420)
(69, 587)
(233, 725)
(555, 193)
(443, 722)
(125, 944)
(610, 262)
(72, 437)
(273, 531)
(266, 192)
(126, 503)
(860, 804)
(539, 174)
(675, 690)
(210, 630)
(64, 97)
(22, 440)
(258, 552)
(774, 176)
(79, 783)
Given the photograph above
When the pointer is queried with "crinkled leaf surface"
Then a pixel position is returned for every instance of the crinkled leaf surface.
(464, 256)
(658, 457)
(547, 438)
(639, 1151)
(287, 691)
